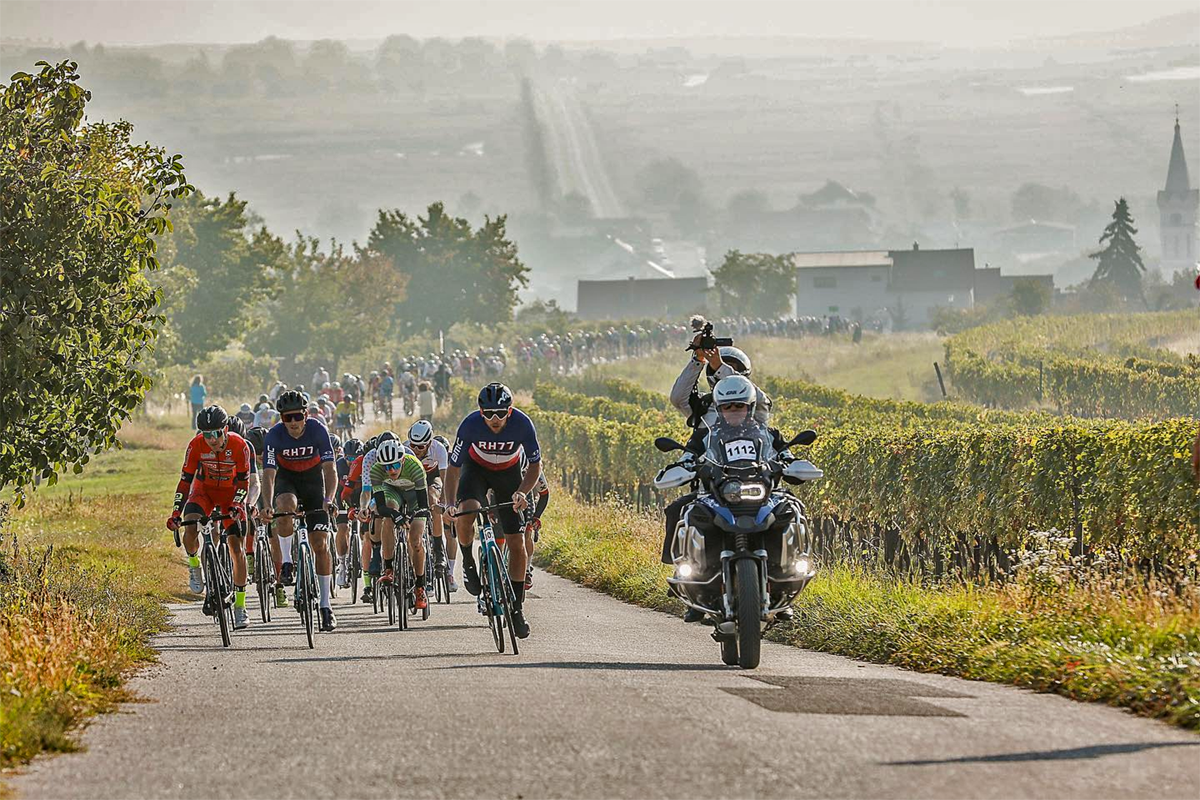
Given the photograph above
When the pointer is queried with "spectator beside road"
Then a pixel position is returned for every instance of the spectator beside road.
(197, 394)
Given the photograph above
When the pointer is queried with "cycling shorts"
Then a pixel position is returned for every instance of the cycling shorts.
(414, 501)
(474, 483)
(204, 500)
(308, 486)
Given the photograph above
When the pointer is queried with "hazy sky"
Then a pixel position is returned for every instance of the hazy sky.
(963, 22)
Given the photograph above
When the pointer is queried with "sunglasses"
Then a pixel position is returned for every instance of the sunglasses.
(419, 446)
(297, 417)
(493, 413)
(734, 407)
(213, 435)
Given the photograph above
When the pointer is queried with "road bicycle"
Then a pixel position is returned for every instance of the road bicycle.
(218, 573)
(496, 599)
(264, 571)
(437, 573)
(354, 554)
(307, 596)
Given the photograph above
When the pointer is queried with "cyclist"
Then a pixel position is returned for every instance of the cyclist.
(387, 385)
(350, 452)
(435, 460)
(215, 475)
(448, 536)
(299, 470)
(497, 449)
(539, 499)
(398, 484)
(346, 414)
(408, 389)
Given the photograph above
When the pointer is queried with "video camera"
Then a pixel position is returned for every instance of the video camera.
(708, 341)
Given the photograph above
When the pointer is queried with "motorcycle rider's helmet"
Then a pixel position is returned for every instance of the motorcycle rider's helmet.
(734, 399)
(738, 361)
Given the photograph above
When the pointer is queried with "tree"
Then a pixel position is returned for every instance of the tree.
(665, 181)
(214, 269)
(1119, 264)
(1030, 297)
(80, 208)
(454, 274)
(755, 284)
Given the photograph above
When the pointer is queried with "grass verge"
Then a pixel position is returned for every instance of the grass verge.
(1099, 640)
(84, 570)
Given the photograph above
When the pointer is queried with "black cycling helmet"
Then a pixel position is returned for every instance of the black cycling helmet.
(212, 418)
(386, 436)
(445, 442)
(257, 437)
(352, 448)
(495, 395)
(236, 425)
(291, 401)
(335, 440)
(371, 444)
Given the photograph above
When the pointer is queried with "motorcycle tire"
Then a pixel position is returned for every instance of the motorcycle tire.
(749, 603)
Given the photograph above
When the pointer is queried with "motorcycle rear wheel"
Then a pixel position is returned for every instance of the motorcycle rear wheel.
(749, 603)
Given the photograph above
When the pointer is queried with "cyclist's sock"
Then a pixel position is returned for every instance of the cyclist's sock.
(518, 588)
(439, 546)
(468, 559)
(367, 579)
(285, 547)
(193, 560)
(421, 581)
(325, 582)
(239, 596)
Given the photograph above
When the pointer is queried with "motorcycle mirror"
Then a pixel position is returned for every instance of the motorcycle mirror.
(803, 437)
(666, 444)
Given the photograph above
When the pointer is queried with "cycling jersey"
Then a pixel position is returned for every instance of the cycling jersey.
(285, 452)
(223, 473)
(346, 411)
(386, 385)
(412, 474)
(436, 459)
(515, 445)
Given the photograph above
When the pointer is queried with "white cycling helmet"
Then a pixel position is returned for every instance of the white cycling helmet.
(421, 433)
(389, 452)
(735, 358)
(734, 389)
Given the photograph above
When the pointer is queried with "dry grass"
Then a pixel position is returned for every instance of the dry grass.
(84, 570)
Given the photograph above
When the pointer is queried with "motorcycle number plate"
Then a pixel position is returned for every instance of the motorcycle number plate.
(740, 450)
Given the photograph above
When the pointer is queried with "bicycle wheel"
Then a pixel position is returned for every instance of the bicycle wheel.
(216, 595)
(303, 601)
(492, 586)
(400, 584)
(355, 565)
(262, 583)
(507, 601)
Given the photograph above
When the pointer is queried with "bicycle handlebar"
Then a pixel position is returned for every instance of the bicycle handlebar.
(481, 510)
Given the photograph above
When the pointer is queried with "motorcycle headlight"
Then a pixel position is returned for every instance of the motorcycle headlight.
(753, 491)
(732, 491)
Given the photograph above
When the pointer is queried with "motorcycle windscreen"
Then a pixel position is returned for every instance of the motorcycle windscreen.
(734, 444)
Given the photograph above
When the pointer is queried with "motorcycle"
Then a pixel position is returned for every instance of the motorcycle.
(742, 550)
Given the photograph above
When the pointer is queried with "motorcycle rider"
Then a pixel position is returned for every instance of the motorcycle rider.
(732, 406)
(717, 363)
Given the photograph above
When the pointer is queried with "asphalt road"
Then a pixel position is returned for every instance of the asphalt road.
(605, 700)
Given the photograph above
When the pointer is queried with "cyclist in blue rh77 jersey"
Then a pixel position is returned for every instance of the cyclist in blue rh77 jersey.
(496, 449)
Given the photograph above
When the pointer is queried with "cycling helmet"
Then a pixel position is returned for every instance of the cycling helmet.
(348, 397)
(495, 395)
(389, 453)
(335, 440)
(445, 442)
(421, 433)
(290, 401)
(237, 426)
(257, 437)
(325, 385)
(738, 361)
(386, 436)
(370, 444)
(352, 448)
(212, 418)
(246, 409)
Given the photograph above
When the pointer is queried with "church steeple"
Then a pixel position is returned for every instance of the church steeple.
(1177, 172)
(1178, 211)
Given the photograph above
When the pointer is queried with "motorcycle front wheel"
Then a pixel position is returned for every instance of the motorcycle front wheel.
(749, 605)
